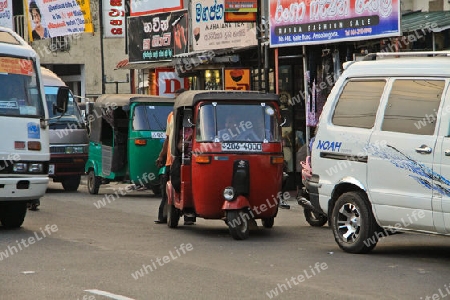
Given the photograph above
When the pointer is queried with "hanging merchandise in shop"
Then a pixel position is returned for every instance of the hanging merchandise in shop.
(157, 37)
(310, 22)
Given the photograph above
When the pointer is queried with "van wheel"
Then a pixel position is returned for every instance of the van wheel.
(71, 184)
(268, 222)
(314, 219)
(353, 224)
(237, 222)
(173, 216)
(93, 182)
(12, 214)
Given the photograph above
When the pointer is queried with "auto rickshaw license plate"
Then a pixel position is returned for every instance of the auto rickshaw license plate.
(244, 147)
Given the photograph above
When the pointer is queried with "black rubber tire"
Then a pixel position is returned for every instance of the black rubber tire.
(352, 216)
(315, 219)
(71, 184)
(238, 224)
(93, 183)
(173, 216)
(12, 214)
(268, 222)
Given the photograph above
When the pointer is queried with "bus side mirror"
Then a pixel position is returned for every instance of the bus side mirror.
(286, 118)
(62, 99)
(187, 117)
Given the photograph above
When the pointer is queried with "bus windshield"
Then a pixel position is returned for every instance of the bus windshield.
(237, 123)
(19, 89)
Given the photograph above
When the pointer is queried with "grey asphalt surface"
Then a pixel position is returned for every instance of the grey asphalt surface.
(94, 253)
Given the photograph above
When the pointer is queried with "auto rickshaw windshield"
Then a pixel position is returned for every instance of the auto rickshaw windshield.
(150, 117)
(237, 122)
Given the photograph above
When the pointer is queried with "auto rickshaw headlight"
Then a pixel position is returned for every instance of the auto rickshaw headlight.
(229, 193)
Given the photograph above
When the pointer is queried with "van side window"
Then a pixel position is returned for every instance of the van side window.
(358, 103)
(413, 105)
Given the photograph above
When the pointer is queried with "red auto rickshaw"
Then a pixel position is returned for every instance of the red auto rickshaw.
(228, 158)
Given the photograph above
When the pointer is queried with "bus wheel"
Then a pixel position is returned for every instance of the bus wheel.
(71, 184)
(12, 214)
(93, 182)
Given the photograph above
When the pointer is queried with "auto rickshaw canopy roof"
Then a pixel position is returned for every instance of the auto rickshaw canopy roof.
(190, 98)
(107, 100)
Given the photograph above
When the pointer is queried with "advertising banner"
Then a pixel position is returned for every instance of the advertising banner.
(113, 18)
(52, 18)
(146, 7)
(307, 22)
(211, 32)
(6, 14)
(241, 6)
(157, 37)
(237, 79)
(169, 82)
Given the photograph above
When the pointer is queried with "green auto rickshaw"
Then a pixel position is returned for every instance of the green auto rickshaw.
(127, 132)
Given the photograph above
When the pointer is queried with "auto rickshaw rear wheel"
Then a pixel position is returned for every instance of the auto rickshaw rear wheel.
(268, 222)
(93, 182)
(237, 221)
(173, 216)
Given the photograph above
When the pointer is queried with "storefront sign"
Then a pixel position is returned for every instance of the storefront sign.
(168, 82)
(237, 79)
(307, 22)
(211, 32)
(6, 14)
(146, 7)
(157, 37)
(50, 18)
(113, 18)
(241, 6)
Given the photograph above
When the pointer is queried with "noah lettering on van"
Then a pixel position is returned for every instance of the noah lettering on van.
(329, 145)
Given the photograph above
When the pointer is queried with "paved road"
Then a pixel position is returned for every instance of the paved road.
(117, 252)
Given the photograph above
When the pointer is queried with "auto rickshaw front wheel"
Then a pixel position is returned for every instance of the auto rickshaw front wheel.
(237, 221)
(93, 182)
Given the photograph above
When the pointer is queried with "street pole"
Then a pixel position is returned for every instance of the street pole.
(258, 38)
(100, 13)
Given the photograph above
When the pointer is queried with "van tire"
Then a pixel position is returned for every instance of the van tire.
(12, 214)
(93, 183)
(353, 224)
(71, 184)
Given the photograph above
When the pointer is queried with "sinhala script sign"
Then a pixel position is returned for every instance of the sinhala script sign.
(210, 31)
(306, 22)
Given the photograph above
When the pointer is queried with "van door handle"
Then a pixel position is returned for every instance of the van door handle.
(447, 152)
(424, 149)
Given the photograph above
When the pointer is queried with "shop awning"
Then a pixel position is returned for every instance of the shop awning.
(435, 21)
(125, 64)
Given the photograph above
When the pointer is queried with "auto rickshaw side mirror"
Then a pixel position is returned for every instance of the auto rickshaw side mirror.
(187, 117)
(286, 118)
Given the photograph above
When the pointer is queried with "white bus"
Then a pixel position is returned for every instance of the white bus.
(69, 141)
(24, 134)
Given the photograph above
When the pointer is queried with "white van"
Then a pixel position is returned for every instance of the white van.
(68, 136)
(24, 147)
(381, 155)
